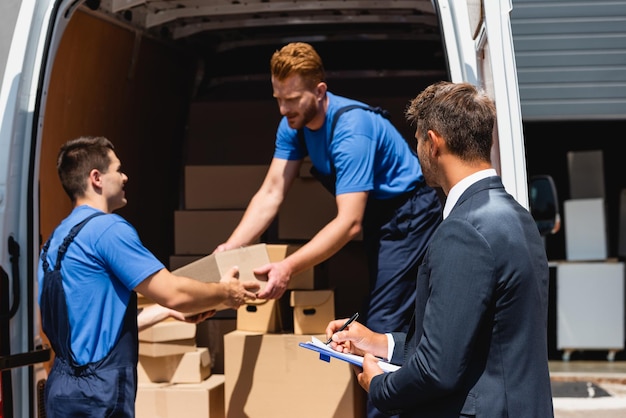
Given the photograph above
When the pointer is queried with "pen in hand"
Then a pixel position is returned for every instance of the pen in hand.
(348, 322)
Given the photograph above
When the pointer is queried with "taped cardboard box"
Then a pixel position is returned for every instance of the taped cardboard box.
(312, 310)
(148, 402)
(167, 348)
(260, 316)
(212, 267)
(195, 400)
(222, 186)
(307, 208)
(199, 232)
(191, 400)
(191, 367)
(269, 375)
(168, 330)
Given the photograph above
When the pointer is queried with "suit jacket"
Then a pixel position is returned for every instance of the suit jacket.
(478, 341)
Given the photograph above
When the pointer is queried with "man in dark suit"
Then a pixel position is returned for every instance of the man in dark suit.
(477, 345)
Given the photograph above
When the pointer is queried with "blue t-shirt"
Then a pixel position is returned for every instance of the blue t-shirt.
(101, 268)
(368, 152)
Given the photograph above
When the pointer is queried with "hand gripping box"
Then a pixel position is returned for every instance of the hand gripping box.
(312, 310)
(302, 280)
(212, 267)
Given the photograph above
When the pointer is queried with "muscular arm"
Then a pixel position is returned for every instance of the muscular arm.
(330, 239)
(192, 296)
(264, 205)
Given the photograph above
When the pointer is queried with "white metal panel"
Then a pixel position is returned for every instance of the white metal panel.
(488, 61)
(19, 95)
(590, 306)
(506, 94)
(571, 59)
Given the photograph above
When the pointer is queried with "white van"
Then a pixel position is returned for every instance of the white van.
(133, 70)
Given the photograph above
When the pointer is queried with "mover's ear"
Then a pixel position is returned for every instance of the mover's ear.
(321, 89)
(95, 179)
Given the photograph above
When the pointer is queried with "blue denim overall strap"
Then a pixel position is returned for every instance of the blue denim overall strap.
(328, 180)
(53, 306)
(106, 388)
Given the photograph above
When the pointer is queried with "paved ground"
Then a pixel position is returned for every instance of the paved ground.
(589, 389)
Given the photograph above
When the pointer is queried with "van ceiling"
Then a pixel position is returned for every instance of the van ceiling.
(357, 39)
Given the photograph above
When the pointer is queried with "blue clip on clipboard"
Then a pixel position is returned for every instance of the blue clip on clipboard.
(326, 353)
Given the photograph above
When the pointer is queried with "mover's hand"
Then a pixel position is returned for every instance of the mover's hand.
(238, 292)
(277, 276)
(153, 314)
(194, 319)
(223, 247)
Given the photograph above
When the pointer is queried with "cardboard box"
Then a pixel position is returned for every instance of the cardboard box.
(212, 267)
(195, 400)
(585, 229)
(222, 186)
(302, 280)
(261, 316)
(191, 400)
(167, 348)
(149, 401)
(194, 367)
(178, 261)
(312, 310)
(191, 367)
(211, 334)
(168, 330)
(269, 375)
(307, 208)
(199, 232)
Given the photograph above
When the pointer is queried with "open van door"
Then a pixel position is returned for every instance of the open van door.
(478, 48)
(23, 50)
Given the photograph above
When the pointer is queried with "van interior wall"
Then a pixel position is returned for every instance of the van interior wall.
(547, 145)
(140, 94)
(136, 93)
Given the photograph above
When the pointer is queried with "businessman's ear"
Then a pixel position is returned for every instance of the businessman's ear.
(437, 144)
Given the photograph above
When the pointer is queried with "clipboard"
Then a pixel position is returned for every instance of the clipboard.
(326, 353)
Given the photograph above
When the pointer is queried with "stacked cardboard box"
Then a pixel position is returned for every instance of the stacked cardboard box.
(269, 375)
(191, 400)
(257, 347)
(215, 199)
(168, 354)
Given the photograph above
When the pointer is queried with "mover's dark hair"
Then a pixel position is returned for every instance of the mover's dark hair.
(77, 158)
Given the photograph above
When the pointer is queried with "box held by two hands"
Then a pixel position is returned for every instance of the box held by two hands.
(212, 267)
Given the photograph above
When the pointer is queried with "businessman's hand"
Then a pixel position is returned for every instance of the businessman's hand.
(356, 339)
(369, 371)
